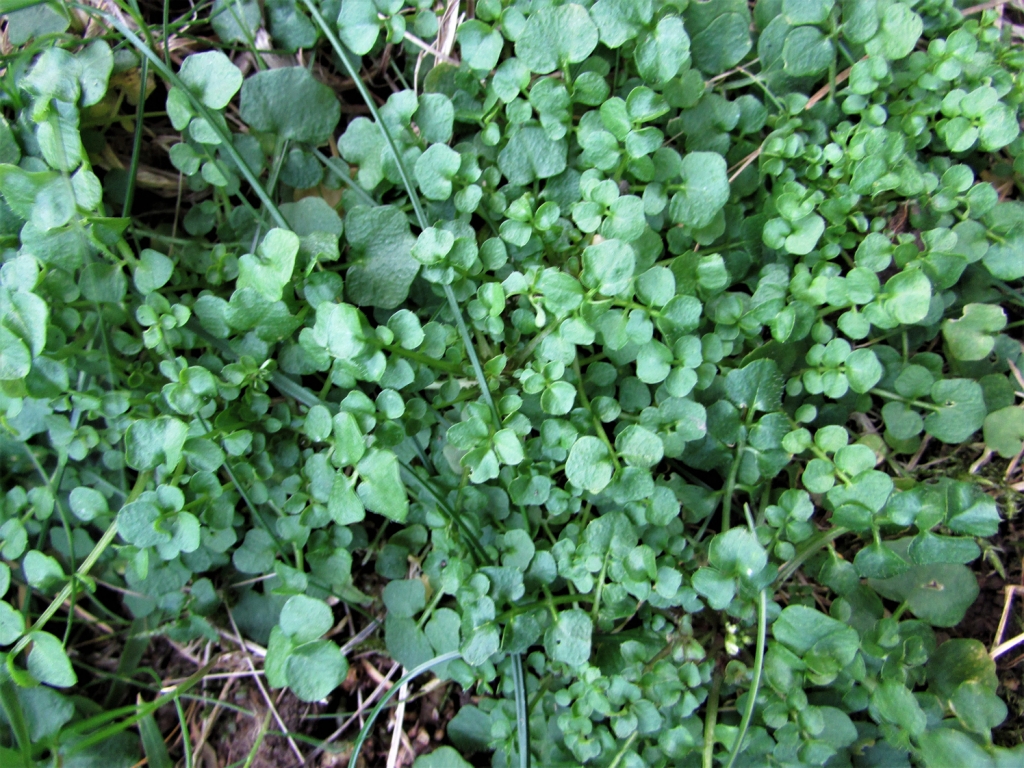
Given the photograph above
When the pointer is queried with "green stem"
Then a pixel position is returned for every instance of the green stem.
(730, 480)
(359, 192)
(426, 666)
(600, 586)
(421, 216)
(598, 426)
(85, 567)
(900, 610)
(133, 169)
(755, 683)
(711, 720)
(893, 396)
(226, 144)
(819, 541)
(622, 752)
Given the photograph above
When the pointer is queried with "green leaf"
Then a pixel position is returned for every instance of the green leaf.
(756, 386)
(939, 594)
(662, 52)
(25, 314)
(435, 170)
(236, 21)
(802, 628)
(291, 103)
(12, 624)
(639, 446)
(961, 410)
(211, 77)
(35, 21)
(315, 669)
(807, 52)
(1004, 431)
(404, 597)
(737, 552)
(531, 154)
(556, 37)
(435, 117)
(714, 585)
(442, 757)
(960, 661)
(42, 571)
(806, 11)
(608, 266)
(971, 337)
(589, 464)
(480, 45)
(382, 251)
(381, 488)
(152, 442)
(910, 295)
(304, 619)
(947, 748)
(705, 189)
(48, 662)
(358, 25)
(290, 28)
(898, 32)
(153, 271)
(558, 398)
(721, 44)
(897, 705)
(807, 230)
(42, 197)
(568, 639)
(270, 269)
(863, 370)
(15, 358)
(877, 561)
(978, 709)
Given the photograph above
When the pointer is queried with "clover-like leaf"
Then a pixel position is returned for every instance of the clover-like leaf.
(568, 639)
(382, 246)
(291, 103)
(1004, 431)
(211, 77)
(589, 464)
(971, 337)
(939, 594)
(705, 189)
(358, 25)
(556, 37)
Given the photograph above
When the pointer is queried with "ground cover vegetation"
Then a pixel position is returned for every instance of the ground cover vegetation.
(642, 376)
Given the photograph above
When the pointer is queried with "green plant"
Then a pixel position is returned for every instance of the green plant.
(575, 340)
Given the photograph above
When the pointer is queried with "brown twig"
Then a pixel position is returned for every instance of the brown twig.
(823, 91)
(745, 162)
(982, 7)
(263, 691)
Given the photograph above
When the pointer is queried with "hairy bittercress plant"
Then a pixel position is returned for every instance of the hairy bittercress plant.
(577, 347)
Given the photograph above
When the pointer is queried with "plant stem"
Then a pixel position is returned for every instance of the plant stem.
(85, 567)
(821, 540)
(755, 683)
(622, 752)
(711, 720)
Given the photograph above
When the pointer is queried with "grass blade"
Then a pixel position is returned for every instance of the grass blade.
(414, 673)
(153, 744)
(522, 715)
(417, 206)
(133, 169)
(16, 718)
(755, 683)
(168, 74)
